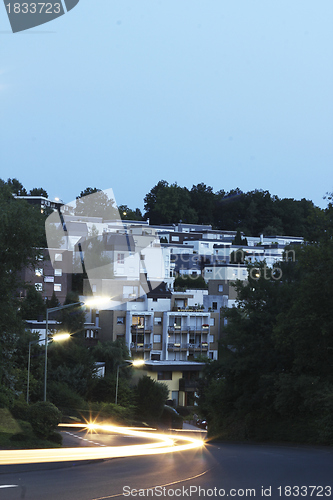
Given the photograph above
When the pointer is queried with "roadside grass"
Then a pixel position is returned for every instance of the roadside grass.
(18, 434)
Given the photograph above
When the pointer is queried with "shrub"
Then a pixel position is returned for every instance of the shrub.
(44, 418)
(56, 438)
(20, 410)
(151, 398)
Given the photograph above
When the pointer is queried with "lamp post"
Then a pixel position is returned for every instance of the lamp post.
(91, 302)
(55, 338)
(135, 362)
(28, 381)
(51, 310)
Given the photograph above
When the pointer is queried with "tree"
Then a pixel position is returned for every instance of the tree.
(238, 240)
(186, 281)
(203, 201)
(93, 202)
(21, 235)
(16, 187)
(151, 397)
(128, 214)
(32, 306)
(38, 192)
(166, 204)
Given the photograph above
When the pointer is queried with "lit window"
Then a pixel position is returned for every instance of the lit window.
(57, 287)
(39, 272)
(58, 257)
(157, 339)
(39, 287)
(58, 272)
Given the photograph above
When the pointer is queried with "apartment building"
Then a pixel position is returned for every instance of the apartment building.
(48, 278)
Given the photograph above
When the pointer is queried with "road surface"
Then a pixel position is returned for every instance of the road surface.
(214, 471)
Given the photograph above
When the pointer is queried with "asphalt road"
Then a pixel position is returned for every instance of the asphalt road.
(216, 471)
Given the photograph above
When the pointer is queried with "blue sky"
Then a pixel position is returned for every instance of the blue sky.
(121, 94)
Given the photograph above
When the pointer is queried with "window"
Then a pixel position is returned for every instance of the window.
(58, 257)
(39, 287)
(157, 321)
(58, 272)
(39, 272)
(220, 288)
(130, 292)
(214, 305)
(155, 357)
(164, 375)
(121, 258)
(178, 321)
(94, 288)
(120, 320)
(157, 339)
(212, 321)
(138, 321)
(174, 238)
(57, 287)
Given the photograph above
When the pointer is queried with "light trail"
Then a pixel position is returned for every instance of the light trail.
(164, 443)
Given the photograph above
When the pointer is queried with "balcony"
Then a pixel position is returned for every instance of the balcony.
(187, 385)
(177, 346)
(178, 329)
(140, 329)
(203, 346)
(140, 347)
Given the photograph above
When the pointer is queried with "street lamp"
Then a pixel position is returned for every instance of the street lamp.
(28, 381)
(89, 303)
(56, 338)
(135, 362)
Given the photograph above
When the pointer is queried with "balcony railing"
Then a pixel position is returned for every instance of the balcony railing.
(177, 346)
(203, 346)
(187, 385)
(141, 347)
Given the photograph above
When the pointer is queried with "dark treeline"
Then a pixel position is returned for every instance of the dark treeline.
(255, 212)
(274, 376)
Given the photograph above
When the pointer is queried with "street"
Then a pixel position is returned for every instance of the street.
(235, 470)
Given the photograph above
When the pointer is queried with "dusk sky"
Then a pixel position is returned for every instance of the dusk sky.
(121, 94)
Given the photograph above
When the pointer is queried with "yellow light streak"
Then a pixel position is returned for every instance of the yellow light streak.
(165, 443)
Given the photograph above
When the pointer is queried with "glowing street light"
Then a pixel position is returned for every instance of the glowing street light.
(89, 303)
(59, 337)
(135, 362)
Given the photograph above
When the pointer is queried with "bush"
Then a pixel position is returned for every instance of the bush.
(56, 438)
(44, 418)
(20, 410)
(64, 397)
(151, 398)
